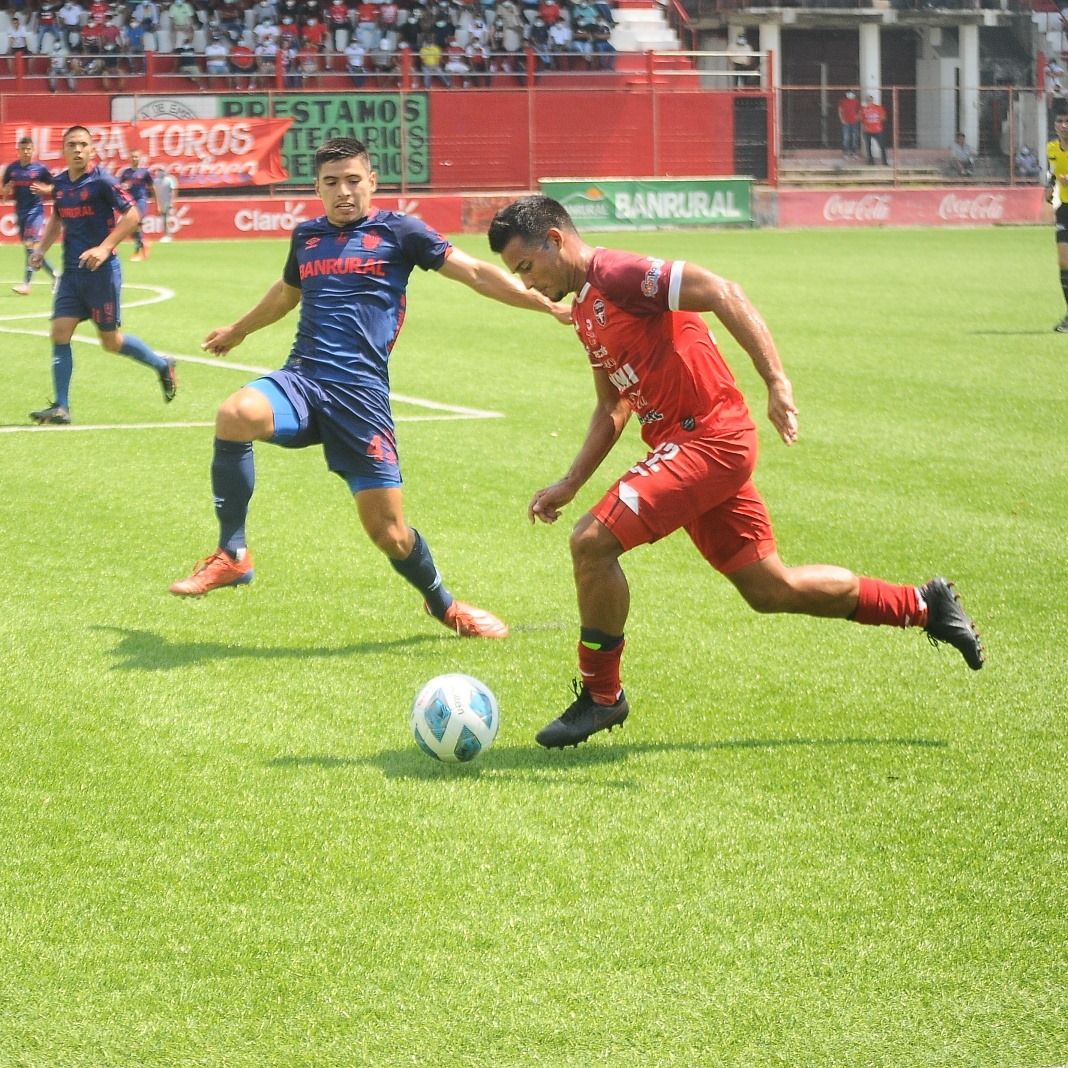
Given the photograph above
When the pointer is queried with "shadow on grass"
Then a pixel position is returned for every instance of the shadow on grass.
(409, 763)
(143, 650)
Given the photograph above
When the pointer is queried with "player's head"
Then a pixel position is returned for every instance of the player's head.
(538, 242)
(135, 158)
(77, 148)
(25, 147)
(1060, 124)
(344, 179)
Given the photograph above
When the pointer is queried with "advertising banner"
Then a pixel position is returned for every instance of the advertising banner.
(631, 204)
(200, 153)
(244, 217)
(950, 206)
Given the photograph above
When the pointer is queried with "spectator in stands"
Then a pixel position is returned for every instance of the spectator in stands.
(243, 66)
(1027, 165)
(59, 68)
(92, 46)
(263, 11)
(182, 18)
(146, 13)
(550, 12)
(849, 117)
(538, 38)
(18, 37)
(478, 60)
(582, 42)
(231, 18)
(430, 63)
(112, 45)
(873, 123)
(72, 17)
(289, 57)
(314, 35)
(48, 29)
(603, 50)
(136, 33)
(187, 63)
(339, 23)
(560, 43)
(217, 58)
(356, 63)
(743, 62)
(456, 65)
(266, 32)
(266, 60)
(962, 157)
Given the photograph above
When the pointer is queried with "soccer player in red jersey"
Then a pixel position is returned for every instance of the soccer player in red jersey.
(653, 356)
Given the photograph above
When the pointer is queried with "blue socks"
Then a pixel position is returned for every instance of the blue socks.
(137, 350)
(420, 570)
(233, 478)
(62, 369)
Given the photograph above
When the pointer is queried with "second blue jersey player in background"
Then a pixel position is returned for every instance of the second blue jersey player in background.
(348, 270)
(86, 202)
(137, 181)
(26, 180)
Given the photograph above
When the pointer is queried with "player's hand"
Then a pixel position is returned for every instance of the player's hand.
(221, 340)
(36, 260)
(547, 502)
(92, 258)
(561, 313)
(782, 411)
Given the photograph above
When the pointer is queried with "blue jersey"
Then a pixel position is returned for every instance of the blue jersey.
(353, 282)
(27, 202)
(87, 207)
(137, 181)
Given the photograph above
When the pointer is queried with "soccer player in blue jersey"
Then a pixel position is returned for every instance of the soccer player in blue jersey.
(86, 201)
(26, 180)
(137, 181)
(348, 270)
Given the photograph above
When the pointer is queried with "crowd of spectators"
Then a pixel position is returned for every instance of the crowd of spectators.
(242, 43)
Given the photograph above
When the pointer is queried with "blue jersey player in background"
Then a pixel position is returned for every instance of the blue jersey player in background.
(87, 201)
(137, 181)
(348, 270)
(26, 180)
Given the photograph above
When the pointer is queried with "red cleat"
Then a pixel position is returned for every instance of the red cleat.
(214, 571)
(470, 622)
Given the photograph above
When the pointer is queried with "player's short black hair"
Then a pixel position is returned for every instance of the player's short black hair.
(25, 141)
(340, 148)
(529, 219)
(77, 126)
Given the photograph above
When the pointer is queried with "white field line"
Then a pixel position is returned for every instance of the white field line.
(161, 293)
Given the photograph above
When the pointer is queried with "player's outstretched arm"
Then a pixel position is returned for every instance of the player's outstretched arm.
(606, 424)
(703, 291)
(277, 303)
(489, 280)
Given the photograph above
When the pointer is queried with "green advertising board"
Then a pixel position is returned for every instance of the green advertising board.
(630, 204)
(395, 129)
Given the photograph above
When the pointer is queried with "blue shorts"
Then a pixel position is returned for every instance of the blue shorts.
(353, 424)
(31, 227)
(84, 294)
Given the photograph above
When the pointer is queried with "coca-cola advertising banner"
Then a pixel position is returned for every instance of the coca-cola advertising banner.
(240, 217)
(200, 153)
(962, 206)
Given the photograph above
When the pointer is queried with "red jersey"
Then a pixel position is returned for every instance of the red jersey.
(663, 361)
(873, 116)
(849, 111)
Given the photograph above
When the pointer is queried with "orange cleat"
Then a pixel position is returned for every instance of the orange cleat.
(214, 571)
(470, 622)
(138, 256)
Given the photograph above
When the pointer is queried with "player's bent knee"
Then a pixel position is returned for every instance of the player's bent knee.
(244, 416)
(592, 541)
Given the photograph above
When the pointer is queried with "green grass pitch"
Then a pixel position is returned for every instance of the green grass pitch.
(814, 844)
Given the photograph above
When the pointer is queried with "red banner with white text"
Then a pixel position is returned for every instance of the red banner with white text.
(956, 206)
(200, 153)
(242, 217)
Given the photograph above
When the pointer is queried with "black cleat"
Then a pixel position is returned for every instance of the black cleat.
(168, 380)
(948, 622)
(583, 718)
(54, 414)
(1062, 326)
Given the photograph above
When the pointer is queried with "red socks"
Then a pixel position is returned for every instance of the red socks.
(600, 672)
(883, 603)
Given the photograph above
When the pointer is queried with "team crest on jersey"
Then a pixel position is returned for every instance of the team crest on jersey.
(85, 194)
(651, 281)
(598, 311)
(312, 242)
(371, 241)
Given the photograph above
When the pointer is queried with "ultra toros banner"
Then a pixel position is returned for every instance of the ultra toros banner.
(200, 153)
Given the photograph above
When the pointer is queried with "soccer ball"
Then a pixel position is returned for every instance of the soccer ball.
(454, 718)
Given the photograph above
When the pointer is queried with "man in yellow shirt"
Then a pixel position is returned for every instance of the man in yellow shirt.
(1057, 183)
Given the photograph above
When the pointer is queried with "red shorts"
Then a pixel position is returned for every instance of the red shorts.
(702, 485)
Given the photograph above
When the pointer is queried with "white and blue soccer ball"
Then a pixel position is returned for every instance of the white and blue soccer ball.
(454, 718)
